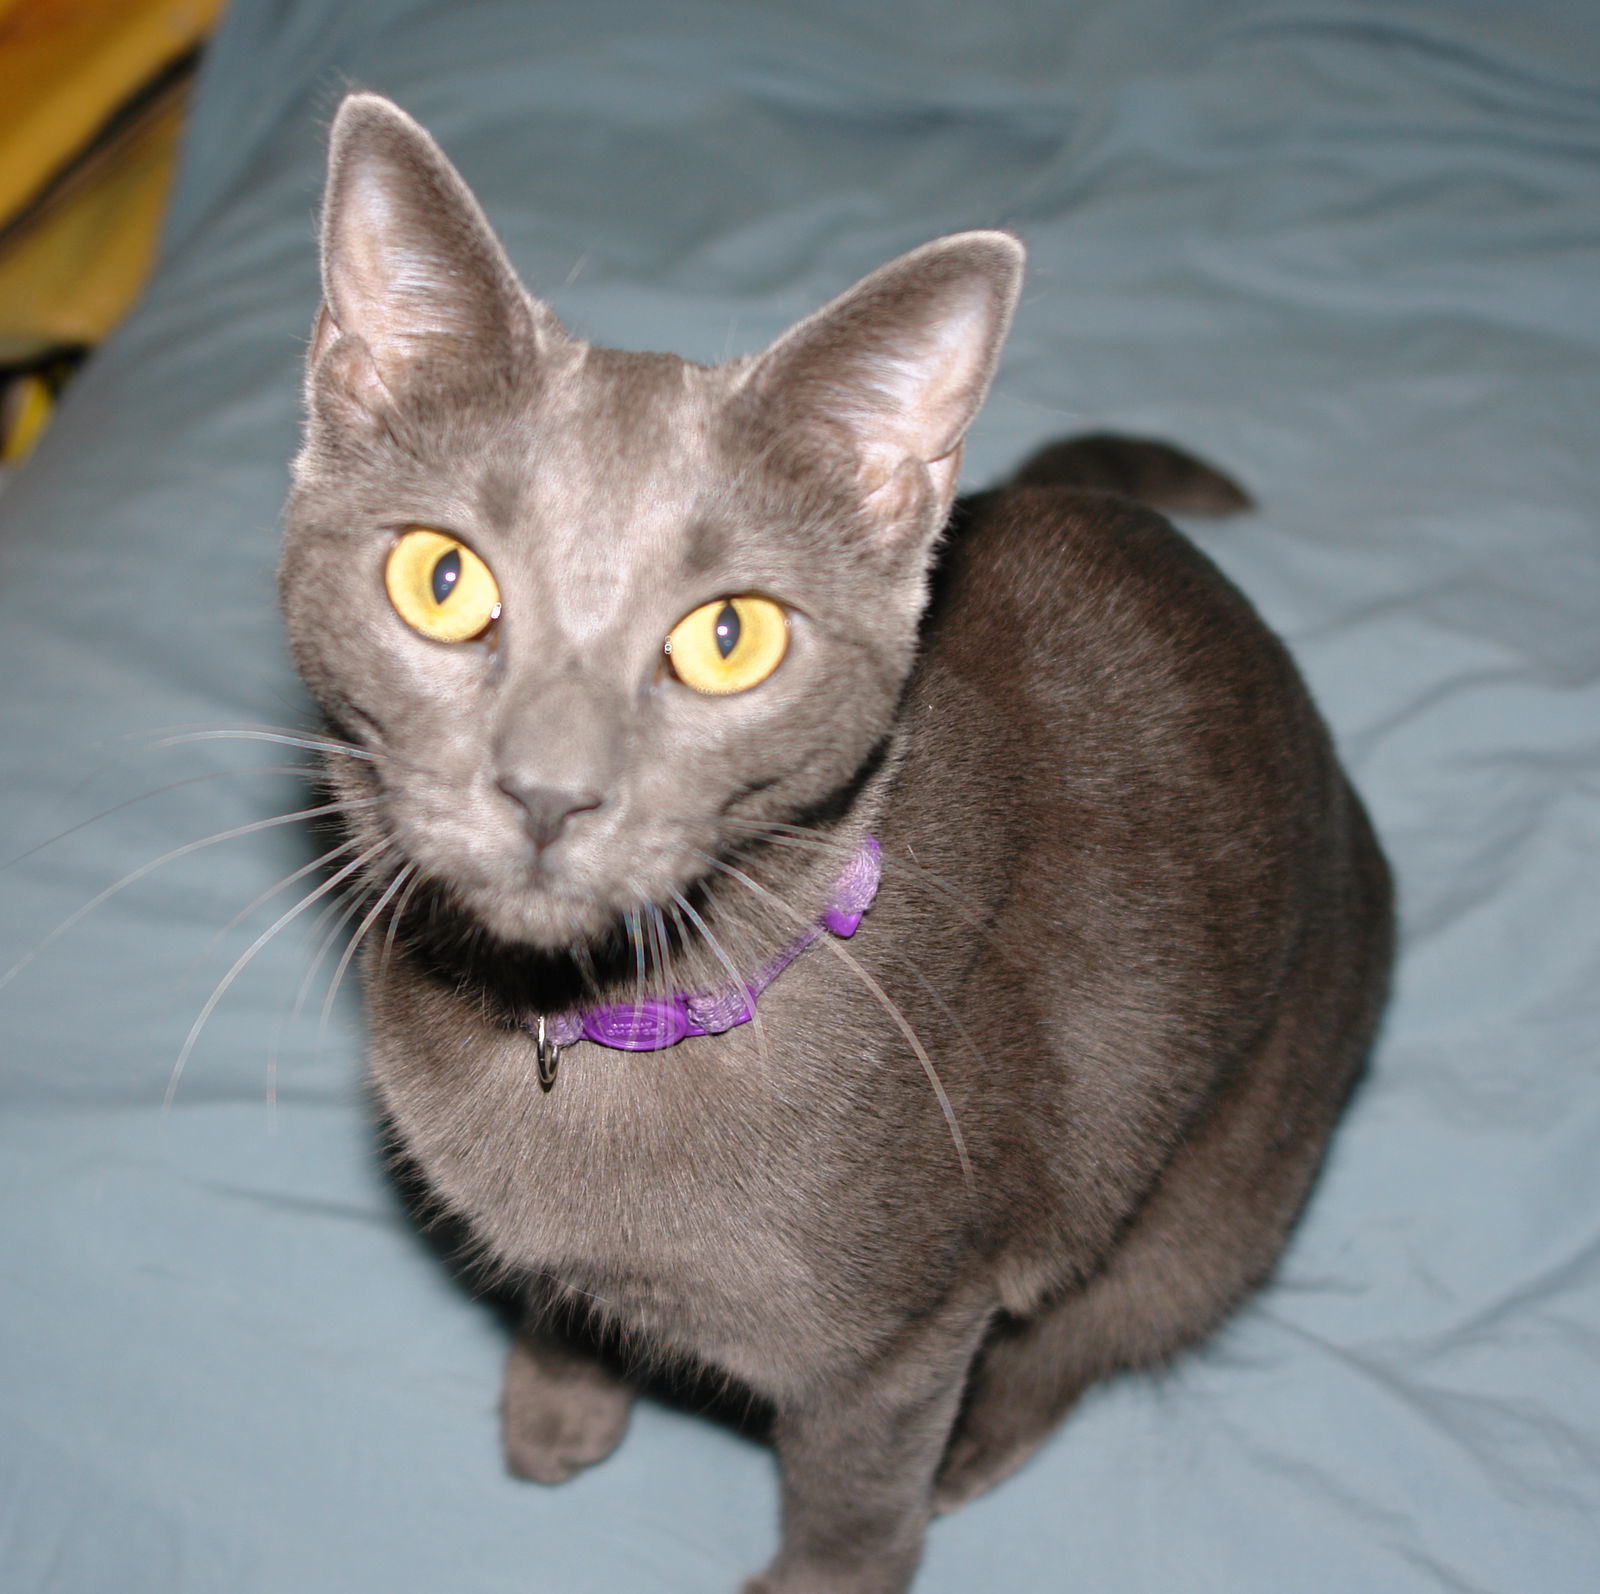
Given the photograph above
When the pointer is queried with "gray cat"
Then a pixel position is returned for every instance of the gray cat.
(907, 970)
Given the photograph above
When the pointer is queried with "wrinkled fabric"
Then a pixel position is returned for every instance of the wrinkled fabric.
(1346, 250)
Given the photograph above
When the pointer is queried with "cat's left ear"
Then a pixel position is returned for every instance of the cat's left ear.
(897, 367)
(417, 292)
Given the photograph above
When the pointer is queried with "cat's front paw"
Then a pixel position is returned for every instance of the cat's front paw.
(974, 1466)
(994, 1440)
(560, 1413)
(781, 1579)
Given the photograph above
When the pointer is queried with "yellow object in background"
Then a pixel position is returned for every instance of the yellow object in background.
(69, 274)
(27, 407)
(67, 65)
(92, 96)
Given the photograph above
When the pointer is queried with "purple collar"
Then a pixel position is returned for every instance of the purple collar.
(651, 1025)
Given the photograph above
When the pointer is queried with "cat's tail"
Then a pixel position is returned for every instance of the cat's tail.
(1155, 473)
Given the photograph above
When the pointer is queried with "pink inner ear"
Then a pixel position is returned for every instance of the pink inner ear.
(325, 331)
(937, 384)
(945, 473)
(902, 363)
(905, 486)
(413, 274)
(342, 367)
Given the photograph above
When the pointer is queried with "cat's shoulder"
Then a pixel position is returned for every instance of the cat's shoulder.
(1068, 568)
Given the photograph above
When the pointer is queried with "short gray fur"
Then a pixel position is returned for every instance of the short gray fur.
(1132, 912)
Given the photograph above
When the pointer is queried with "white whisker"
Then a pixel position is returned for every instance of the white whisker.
(335, 917)
(132, 743)
(658, 938)
(159, 791)
(631, 919)
(355, 941)
(884, 1001)
(799, 836)
(399, 914)
(188, 847)
(329, 924)
(584, 957)
(332, 883)
(267, 895)
(250, 733)
(757, 1024)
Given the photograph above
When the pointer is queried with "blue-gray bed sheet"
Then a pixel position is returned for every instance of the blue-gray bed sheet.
(1348, 250)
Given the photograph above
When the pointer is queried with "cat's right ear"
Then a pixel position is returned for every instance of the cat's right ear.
(895, 370)
(418, 295)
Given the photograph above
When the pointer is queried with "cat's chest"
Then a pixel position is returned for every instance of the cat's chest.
(676, 1188)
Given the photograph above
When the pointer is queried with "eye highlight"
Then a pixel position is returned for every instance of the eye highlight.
(729, 645)
(440, 587)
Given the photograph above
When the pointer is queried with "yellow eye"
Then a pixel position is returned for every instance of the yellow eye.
(729, 644)
(440, 587)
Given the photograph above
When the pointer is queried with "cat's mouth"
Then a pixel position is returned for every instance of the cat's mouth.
(545, 903)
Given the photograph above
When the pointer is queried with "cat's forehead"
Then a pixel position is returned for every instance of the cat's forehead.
(617, 436)
(608, 492)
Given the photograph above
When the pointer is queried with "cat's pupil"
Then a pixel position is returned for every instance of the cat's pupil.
(445, 575)
(727, 630)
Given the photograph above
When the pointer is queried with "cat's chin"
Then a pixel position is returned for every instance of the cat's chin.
(542, 920)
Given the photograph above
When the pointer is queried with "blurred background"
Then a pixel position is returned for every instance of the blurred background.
(92, 101)
(1347, 249)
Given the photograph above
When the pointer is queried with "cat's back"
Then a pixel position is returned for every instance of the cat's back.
(1109, 750)
(1094, 610)
(1116, 763)
(1083, 649)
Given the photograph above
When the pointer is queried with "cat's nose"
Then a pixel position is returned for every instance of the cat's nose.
(546, 809)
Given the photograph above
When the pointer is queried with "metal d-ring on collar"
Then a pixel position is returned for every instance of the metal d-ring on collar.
(547, 1053)
(654, 1024)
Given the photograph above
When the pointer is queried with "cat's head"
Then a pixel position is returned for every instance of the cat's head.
(589, 609)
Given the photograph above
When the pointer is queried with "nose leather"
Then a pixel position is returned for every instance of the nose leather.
(546, 809)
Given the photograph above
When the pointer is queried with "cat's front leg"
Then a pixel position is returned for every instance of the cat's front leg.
(561, 1411)
(859, 1460)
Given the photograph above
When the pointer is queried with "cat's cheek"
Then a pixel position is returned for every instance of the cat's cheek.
(813, 745)
(442, 841)
(438, 681)
(352, 654)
